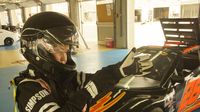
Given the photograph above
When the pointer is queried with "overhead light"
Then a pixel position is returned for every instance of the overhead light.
(2, 4)
(17, 1)
(9, 1)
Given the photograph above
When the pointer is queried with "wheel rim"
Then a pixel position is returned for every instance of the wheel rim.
(8, 41)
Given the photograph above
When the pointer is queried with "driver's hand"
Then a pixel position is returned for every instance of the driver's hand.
(135, 63)
(145, 63)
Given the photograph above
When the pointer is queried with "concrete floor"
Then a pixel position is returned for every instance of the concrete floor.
(11, 55)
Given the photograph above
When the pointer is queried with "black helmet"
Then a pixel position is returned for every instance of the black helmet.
(40, 33)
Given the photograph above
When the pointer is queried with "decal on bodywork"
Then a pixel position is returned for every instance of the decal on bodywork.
(106, 102)
(191, 97)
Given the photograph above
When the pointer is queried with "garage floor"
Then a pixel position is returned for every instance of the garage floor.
(12, 62)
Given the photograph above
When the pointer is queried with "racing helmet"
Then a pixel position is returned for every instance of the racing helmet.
(42, 34)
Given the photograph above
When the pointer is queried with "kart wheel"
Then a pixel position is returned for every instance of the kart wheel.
(157, 109)
(8, 41)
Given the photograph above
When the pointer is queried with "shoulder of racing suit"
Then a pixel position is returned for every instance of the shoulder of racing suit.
(32, 97)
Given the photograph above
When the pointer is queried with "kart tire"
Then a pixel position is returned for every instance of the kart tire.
(157, 109)
(8, 41)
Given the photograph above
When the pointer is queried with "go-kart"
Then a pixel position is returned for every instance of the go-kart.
(170, 85)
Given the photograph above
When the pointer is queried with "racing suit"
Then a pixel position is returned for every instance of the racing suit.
(36, 93)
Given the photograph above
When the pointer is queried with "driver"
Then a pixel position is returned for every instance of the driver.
(51, 83)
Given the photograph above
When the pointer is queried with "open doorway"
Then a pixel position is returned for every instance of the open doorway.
(87, 12)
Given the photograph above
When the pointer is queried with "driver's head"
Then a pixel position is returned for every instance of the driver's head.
(59, 53)
(47, 39)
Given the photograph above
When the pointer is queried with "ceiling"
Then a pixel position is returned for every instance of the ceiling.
(14, 4)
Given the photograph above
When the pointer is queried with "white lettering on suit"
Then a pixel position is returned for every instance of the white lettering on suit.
(35, 98)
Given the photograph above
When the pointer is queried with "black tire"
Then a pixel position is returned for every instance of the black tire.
(8, 41)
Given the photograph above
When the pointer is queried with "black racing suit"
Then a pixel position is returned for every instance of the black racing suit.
(64, 95)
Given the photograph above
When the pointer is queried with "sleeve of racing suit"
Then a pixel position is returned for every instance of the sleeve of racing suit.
(91, 85)
(32, 97)
(82, 79)
(103, 79)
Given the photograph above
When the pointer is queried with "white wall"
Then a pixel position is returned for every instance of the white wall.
(30, 11)
(16, 17)
(59, 7)
(189, 1)
(4, 18)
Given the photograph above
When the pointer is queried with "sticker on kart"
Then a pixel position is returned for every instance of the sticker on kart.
(106, 102)
(191, 97)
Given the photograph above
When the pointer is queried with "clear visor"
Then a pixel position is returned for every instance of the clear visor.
(60, 35)
(54, 40)
(53, 48)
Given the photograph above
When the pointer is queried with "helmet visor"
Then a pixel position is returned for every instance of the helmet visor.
(53, 47)
(62, 35)
(65, 35)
